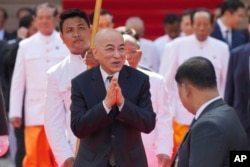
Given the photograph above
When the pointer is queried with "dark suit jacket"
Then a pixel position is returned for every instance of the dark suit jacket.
(237, 37)
(9, 59)
(99, 131)
(8, 36)
(3, 118)
(209, 140)
(237, 91)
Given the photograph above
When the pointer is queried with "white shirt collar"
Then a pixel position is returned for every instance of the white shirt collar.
(222, 26)
(77, 57)
(203, 106)
(1, 34)
(105, 74)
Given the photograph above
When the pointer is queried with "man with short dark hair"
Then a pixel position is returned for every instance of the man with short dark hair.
(4, 35)
(232, 12)
(185, 23)
(216, 129)
(106, 19)
(75, 32)
(172, 31)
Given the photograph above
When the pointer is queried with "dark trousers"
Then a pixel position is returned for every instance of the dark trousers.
(20, 152)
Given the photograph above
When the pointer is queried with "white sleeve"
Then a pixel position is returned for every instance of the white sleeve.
(55, 118)
(164, 129)
(18, 85)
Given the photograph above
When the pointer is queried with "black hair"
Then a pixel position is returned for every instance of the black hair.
(26, 21)
(46, 4)
(171, 18)
(70, 13)
(102, 13)
(231, 6)
(202, 10)
(24, 9)
(198, 71)
(5, 14)
(187, 12)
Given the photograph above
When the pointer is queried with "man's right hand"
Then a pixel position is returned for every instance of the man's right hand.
(16, 122)
(90, 59)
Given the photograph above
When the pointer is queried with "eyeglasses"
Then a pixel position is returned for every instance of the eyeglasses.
(131, 52)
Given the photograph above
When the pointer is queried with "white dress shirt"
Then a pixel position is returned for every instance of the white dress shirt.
(182, 49)
(224, 30)
(160, 43)
(203, 106)
(57, 114)
(35, 56)
(149, 55)
(1, 34)
(160, 140)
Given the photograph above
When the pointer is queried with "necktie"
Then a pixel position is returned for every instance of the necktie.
(227, 37)
(112, 113)
(108, 79)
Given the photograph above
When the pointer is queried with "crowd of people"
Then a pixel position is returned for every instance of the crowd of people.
(181, 100)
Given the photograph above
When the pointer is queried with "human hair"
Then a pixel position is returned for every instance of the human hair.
(26, 21)
(29, 10)
(5, 14)
(171, 18)
(102, 13)
(198, 71)
(231, 6)
(70, 13)
(202, 10)
(187, 12)
(46, 5)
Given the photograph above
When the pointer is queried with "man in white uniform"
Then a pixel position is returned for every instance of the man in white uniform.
(34, 57)
(75, 33)
(199, 44)
(172, 31)
(159, 143)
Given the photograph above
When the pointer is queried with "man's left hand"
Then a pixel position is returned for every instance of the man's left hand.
(163, 160)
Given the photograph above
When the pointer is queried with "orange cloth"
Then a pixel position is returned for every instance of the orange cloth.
(38, 152)
(179, 132)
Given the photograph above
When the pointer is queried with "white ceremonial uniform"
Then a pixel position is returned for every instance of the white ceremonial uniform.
(160, 140)
(180, 50)
(160, 43)
(149, 56)
(35, 56)
(57, 114)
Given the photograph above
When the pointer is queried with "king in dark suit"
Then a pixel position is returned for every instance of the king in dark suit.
(109, 121)
(216, 129)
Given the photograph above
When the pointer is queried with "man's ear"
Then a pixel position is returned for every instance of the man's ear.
(139, 52)
(187, 89)
(94, 52)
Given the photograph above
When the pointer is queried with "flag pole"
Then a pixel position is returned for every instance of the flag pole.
(97, 11)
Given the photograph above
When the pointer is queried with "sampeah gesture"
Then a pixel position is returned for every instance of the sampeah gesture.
(114, 94)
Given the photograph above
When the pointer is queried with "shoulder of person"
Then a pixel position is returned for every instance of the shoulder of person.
(245, 48)
(135, 72)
